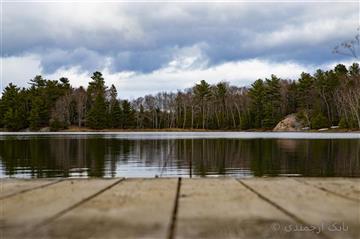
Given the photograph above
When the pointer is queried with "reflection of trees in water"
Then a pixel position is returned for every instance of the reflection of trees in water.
(32, 156)
(327, 157)
(215, 156)
(98, 157)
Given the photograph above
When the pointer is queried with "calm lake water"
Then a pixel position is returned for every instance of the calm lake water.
(31, 155)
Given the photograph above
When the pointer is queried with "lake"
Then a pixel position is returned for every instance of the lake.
(174, 154)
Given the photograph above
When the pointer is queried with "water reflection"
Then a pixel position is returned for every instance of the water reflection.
(93, 156)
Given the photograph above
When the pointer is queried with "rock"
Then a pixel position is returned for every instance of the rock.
(290, 123)
(323, 129)
(45, 129)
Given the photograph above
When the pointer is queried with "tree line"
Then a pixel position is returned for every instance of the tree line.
(322, 99)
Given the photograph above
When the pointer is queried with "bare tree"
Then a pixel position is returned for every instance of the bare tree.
(60, 113)
(80, 97)
(349, 48)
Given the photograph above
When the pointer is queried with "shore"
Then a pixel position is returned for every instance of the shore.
(181, 208)
(85, 129)
(76, 129)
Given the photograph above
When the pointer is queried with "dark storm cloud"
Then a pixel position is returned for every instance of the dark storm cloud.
(146, 37)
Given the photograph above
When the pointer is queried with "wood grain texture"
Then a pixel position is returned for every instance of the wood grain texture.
(136, 208)
(23, 211)
(312, 205)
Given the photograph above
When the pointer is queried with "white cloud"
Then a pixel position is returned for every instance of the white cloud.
(188, 58)
(308, 33)
(172, 77)
(19, 70)
(241, 73)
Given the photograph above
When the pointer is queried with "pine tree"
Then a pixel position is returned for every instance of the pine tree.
(97, 117)
(35, 118)
(256, 93)
(115, 112)
(13, 115)
(202, 93)
(272, 103)
(96, 86)
(319, 121)
(116, 115)
(8, 101)
(220, 95)
(128, 117)
(12, 119)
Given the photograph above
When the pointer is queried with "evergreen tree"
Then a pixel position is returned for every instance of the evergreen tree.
(14, 119)
(97, 117)
(272, 103)
(325, 84)
(13, 115)
(354, 70)
(306, 97)
(96, 86)
(220, 95)
(37, 82)
(40, 112)
(291, 98)
(128, 117)
(202, 93)
(114, 108)
(35, 114)
(319, 121)
(116, 115)
(65, 83)
(257, 93)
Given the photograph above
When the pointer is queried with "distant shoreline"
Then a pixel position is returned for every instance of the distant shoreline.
(175, 130)
(208, 130)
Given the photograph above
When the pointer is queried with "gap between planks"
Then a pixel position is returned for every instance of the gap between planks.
(282, 209)
(172, 227)
(59, 214)
(327, 190)
(31, 189)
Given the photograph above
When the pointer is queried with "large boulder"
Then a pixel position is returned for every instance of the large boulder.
(290, 123)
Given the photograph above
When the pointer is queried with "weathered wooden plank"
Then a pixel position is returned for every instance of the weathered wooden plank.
(207, 208)
(10, 187)
(223, 208)
(23, 211)
(313, 206)
(136, 208)
(345, 187)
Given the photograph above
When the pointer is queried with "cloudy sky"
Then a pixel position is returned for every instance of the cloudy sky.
(149, 47)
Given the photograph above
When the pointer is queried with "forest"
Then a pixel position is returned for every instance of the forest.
(323, 99)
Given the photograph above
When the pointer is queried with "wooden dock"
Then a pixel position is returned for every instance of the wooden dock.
(181, 208)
